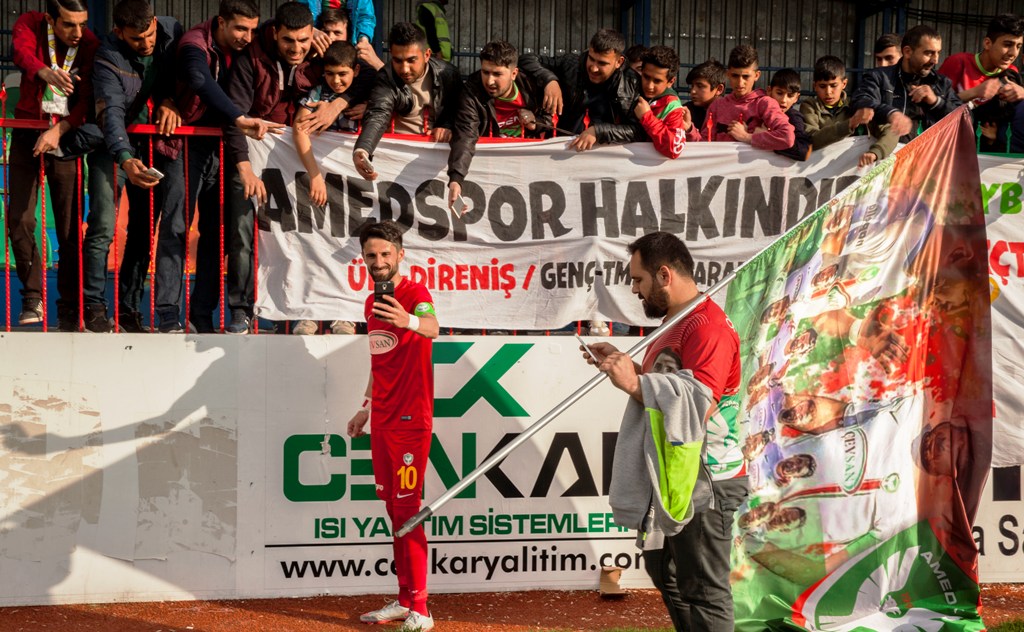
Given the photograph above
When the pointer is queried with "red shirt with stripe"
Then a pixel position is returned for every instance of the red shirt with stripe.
(706, 343)
(401, 365)
(963, 70)
(664, 124)
(507, 114)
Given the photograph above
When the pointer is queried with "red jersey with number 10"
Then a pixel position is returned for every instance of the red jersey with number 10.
(401, 365)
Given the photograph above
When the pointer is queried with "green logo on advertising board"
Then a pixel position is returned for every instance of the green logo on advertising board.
(336, 485)
(484, 384)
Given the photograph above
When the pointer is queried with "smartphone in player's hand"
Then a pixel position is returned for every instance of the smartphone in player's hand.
(154, 173)
(587, 349)
(382, 289)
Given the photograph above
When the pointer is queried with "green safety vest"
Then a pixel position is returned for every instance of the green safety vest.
(440, 28)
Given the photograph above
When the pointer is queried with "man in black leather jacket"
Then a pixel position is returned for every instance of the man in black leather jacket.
(598, 91)
(490, 105)
(910, 93)
(416, 94)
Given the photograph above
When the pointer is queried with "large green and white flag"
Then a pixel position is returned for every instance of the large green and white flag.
(868, 402)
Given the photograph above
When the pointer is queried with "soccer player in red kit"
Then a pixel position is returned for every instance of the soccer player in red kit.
(400, 395)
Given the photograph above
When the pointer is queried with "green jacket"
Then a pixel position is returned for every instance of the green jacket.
(431, 18)
(829, 125)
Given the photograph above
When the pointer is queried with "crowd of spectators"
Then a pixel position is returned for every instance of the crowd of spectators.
(313, 67)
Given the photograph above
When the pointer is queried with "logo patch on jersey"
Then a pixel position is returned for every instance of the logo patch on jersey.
(423, 308)
(382, 341)
(855, 456)
(407, 458)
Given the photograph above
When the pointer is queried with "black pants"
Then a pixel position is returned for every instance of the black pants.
(61, 179)
(239, 229)
(692, 570)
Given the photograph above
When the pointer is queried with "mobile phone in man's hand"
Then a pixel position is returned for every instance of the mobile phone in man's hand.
(382, 289)
(587, 349)
(459, 206)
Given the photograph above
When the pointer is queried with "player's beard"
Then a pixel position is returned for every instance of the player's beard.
(382, 274)
(656, 305)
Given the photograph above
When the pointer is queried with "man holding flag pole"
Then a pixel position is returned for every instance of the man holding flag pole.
(693, 411)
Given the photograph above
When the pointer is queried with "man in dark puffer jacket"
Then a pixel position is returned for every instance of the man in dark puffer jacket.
(909, 94)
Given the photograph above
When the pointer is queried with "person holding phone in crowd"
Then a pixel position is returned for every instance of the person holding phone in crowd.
(206, 55)
(127, 78)
(400, 324)
(54, 51)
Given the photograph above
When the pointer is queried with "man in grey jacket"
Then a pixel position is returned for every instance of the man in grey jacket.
(129, 62)
(685, 419)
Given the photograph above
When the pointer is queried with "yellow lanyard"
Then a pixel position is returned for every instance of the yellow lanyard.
(69, 57)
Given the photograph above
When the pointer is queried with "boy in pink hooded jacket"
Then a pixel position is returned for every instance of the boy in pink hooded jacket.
(747, 114)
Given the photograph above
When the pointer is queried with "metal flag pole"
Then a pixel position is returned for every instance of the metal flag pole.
(525, 435)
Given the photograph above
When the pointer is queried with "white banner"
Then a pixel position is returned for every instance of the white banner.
(1003, 194)
(208, 478)
(542, 221)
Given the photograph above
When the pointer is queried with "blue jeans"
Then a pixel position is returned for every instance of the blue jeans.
(240, 225)
(167, 196)
(204, 191)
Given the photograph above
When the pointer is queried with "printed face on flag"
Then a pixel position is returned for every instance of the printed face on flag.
(868, 390)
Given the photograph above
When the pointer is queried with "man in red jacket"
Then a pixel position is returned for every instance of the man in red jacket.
(267, 82)
(55, 53)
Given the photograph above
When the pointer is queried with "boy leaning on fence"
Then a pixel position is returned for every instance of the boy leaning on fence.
(660, 111)
(829, 117)
(747, 114)
(991, 81)
(707, 83)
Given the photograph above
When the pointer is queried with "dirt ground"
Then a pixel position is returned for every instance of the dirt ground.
(514, 612)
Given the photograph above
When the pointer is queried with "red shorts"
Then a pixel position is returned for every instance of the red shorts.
(400, 465)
